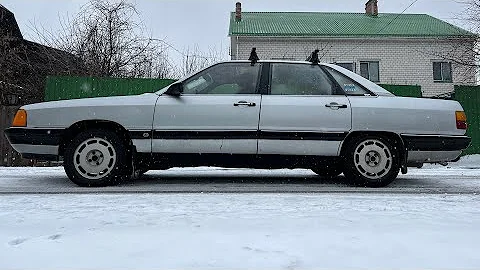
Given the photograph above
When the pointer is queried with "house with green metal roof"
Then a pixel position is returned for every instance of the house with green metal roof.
(388, 48)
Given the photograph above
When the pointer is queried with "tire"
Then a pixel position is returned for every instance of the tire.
(328, 171)
(96, 158)
(371, 161)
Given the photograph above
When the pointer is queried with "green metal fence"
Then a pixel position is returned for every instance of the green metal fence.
(63, 87)
(469, 97)
(404, 90)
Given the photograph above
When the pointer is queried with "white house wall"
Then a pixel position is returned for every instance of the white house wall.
(402, 61)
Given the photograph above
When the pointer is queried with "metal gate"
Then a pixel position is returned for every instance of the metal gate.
(469, 97)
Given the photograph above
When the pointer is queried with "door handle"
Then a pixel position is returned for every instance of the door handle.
(336, 106)
(244, 103)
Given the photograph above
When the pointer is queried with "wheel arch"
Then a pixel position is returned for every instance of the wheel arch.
(84, 125)
(396, 138)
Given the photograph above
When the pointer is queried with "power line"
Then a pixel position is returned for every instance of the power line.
(180, 52)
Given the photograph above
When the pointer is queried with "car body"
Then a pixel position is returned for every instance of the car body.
(269, 114)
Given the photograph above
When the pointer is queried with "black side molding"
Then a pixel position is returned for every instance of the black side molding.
(42, 157)
(244, 135)
(436, 142)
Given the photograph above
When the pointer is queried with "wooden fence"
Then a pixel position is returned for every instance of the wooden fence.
(8, 156)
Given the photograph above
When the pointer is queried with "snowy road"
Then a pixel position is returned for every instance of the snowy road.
(428, 219)
(460, 178)
(239, 231)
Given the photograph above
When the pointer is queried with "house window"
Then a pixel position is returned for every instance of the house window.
(349, 66)
(370, 70)
(442, 72)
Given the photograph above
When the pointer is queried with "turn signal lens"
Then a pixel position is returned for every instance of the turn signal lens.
(461, 119)
(20, 119)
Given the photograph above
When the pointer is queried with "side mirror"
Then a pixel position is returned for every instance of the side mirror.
(175, 90)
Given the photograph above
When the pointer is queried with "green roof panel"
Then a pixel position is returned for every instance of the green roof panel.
(341, 25)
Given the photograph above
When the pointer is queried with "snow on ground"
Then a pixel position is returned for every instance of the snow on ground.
(256, 231)
(241, 231)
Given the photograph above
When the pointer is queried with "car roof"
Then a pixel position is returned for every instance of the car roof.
(270, 61)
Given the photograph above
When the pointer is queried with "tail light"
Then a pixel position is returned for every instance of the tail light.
(20, 119)
(461, 119)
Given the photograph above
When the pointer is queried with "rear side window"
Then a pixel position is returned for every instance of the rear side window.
(300, 79)
(351, 87)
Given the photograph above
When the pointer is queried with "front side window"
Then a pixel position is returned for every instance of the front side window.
(370, 70)
(300, 79)
(442, 72)
(224, 79)
(351, 87)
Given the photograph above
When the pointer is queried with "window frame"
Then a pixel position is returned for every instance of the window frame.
(257, 86)
(442, 80)
(336, 89)
(353, 63)
(329, 69)
(368, 62)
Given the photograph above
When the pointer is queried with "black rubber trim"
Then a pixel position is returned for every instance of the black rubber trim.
(314, 136)
(42, 157)
(245, 135)
(436, 142)
(204, 135)
(34, 136)
(136, 134)
(264, 82)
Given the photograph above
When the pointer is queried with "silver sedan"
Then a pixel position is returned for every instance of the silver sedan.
(268, 114)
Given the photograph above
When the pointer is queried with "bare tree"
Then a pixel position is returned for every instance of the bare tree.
(472, 14)
(27, 64)
(194, 60)
(464, 51)
(110, 39)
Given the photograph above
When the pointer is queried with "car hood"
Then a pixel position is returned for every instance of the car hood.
(93, 102)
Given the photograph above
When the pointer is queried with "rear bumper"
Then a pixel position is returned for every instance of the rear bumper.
(32, 143)
(434, 148)
(436, 142)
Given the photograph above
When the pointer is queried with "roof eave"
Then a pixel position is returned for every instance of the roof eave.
(256, 35)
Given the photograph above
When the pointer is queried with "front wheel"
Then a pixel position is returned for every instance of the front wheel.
(371, 161)
(96, 158)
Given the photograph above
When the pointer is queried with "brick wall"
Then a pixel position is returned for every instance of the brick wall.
(402, 61)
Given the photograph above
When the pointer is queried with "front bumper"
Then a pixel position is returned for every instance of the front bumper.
(35, 143)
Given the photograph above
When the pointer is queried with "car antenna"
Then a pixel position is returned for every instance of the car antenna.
(253, 56)
(313, 58)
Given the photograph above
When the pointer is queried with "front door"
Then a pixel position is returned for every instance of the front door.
(304, 113)
(218, 112)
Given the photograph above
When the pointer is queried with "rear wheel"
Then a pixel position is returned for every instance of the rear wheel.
(371, 161)
(96, 158)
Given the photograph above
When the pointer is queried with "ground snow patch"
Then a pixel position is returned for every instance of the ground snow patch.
(239, 231)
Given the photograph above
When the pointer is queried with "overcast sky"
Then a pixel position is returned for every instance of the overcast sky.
(186, 23)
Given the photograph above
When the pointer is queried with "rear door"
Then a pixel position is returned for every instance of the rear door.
(304, 113)
(218, 112)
